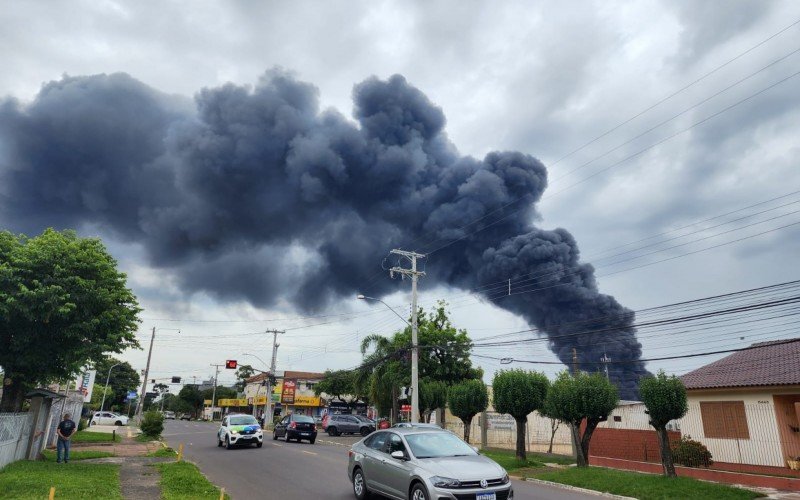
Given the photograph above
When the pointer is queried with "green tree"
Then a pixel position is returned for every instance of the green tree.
(518, 393)
(466, 400)
(63, 305)
(548, 412)
(192, 397)
(97, 396)
(123, 379)
(340, 385)
(383, 371)
(665, 399)
(243, 373)
(573, 399)
(432, 396)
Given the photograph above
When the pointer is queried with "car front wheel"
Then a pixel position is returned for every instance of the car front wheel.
(360, 485)
(274, 436)
(418, 492)
(228, 444)
(332, 431)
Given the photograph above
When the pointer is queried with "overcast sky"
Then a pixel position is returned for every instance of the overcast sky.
(544, 80)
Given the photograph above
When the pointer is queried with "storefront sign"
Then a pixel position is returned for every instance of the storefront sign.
(207, 402)
(232, 402)
(306, 400)
(287, 395)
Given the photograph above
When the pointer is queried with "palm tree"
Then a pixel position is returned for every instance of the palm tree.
(383, 370)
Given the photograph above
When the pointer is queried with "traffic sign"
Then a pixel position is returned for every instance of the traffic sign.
(230, 364)
(131, 395)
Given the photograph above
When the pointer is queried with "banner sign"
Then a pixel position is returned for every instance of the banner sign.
(306, 400)
(85, 384)
(287, 395)
(232, 402)
(500, 421)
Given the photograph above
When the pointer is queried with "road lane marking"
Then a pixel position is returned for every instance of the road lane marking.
(308, 452)
(276, 444)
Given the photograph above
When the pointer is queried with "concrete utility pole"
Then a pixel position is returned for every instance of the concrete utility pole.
(268, 400)
(214, 392)
(605, 360)
(574, 362)
(412, 256)
(140, 403)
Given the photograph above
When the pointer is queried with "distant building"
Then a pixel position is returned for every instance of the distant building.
(292, 393)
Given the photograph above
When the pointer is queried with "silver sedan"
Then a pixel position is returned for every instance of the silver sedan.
(424, 464)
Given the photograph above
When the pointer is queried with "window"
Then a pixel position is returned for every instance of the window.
(376, 441)
(617, 418)
(724, 419)
(310, 385)
(395, 443)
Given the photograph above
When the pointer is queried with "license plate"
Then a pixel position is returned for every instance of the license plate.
(304, 433)
(486, 496)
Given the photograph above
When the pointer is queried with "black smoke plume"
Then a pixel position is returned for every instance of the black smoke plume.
(256, 194)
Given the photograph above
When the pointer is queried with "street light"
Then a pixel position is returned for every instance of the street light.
(140, 405)
(105, 389)
(414, 354)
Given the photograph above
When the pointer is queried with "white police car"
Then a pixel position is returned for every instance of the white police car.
(239, 430)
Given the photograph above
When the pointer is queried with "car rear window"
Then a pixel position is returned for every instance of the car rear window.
(303, 418)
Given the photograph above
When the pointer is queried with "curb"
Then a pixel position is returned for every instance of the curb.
(579, 490)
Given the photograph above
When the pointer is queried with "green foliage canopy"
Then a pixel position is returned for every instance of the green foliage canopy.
(664, 397)
(519, 392)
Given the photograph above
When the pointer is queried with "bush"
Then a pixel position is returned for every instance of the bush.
(691, 453)
(83, 423)
(152, 424)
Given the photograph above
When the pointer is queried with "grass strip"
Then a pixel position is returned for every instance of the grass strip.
(163, 452)
(95, 437)
(643, 486)
(32, 480)
(184, 481)
(50, 455)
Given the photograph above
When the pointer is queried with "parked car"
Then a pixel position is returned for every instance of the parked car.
(239, 430)
(419, 425)
(349, 424)
(424, 464)
(108, 418)
(169, 415)
(297, 427)
(184, 416)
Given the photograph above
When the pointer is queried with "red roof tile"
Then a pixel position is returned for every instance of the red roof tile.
(772, 363)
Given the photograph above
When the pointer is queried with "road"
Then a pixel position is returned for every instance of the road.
(292, 471)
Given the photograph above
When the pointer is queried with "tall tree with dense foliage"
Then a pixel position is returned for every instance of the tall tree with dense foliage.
(466, 400)
(573, 399)
(547, 411)
(339, 385)
(518, 393)
(443, 356)
(123, 379)
(63, 305)
(192, 397)
(665, 399)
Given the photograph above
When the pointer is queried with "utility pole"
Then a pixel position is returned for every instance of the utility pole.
(605, 360)
(140, 403)
(574, 362)
(268, 400)
(214, 392)
(412, 256)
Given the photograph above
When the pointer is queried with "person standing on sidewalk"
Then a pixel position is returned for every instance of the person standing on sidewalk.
(65, 430)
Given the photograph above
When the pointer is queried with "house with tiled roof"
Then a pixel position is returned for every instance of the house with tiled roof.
(745, 407)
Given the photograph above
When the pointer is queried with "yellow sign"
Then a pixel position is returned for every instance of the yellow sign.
(261, 400)
(306, 400)
(207, 402)
(232, 402)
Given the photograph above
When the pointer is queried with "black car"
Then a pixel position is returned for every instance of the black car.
(297, 427)
(349, 424)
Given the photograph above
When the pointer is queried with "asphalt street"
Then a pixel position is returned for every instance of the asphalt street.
(291, 471)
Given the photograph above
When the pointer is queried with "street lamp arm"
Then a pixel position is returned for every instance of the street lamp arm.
(364, 297)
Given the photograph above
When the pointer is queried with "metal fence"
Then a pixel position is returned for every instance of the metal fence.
(14, 433)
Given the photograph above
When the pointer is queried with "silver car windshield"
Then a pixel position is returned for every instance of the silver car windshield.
(244, 420)
(437, 444)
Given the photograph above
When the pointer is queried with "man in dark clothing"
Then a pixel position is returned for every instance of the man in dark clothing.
(65, 430)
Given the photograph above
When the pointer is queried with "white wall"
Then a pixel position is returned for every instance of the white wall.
(762, 448)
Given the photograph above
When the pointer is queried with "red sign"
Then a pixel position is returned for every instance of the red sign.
(230, 364)
(287, 395)
(405, 408)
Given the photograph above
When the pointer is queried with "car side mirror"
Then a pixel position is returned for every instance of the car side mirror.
(399, 455)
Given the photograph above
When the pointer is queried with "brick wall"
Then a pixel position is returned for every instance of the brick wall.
(628, 444)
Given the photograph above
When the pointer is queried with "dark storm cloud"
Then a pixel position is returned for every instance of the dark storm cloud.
(259, 195)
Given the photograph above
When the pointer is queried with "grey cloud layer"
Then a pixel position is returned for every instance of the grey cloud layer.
(227, 197)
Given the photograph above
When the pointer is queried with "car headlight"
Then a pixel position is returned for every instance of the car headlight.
(505, 479)
(445, 482)
(234, 431)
